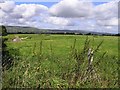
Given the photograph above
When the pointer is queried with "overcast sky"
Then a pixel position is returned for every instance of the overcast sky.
(61, 14)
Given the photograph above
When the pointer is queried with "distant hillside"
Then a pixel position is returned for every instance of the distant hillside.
(19, 29)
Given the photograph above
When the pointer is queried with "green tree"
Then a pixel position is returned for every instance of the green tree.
(3, 31)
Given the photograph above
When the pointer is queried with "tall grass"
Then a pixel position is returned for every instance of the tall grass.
(82, 68)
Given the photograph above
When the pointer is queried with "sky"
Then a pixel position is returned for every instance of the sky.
(89, 15)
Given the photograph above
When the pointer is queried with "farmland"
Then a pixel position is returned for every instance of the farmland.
(52, 61)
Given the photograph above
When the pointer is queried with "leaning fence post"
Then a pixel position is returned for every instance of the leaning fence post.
(90, 57)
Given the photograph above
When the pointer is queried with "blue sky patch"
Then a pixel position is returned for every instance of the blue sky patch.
(49, 4)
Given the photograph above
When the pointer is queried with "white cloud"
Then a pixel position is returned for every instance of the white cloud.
(58, 21)
(7, 6)
(72, 8)
(30, 10)
(109, 22)
(67, 14)
(11, 14)
(2, 14)
(107, 14)
(107, 10)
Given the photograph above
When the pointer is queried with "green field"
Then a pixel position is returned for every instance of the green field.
(49, 61)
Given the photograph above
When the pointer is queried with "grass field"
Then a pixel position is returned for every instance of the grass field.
(49, 61)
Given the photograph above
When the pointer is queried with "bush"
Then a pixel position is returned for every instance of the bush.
(3, 31)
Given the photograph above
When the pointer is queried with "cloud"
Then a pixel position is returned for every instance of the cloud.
(7, 6)
(107, 10)
(29, 10)
(11, 14)
(72, 8)
(58, 21)
(107, 14)
(66, 14)
(109, 22)
(29, 14)
(2, 14)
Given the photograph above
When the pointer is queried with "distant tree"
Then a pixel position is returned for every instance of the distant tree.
(88, 34)
(117, 34)
(3, 31)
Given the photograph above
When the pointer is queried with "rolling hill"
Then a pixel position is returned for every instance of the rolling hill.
(28, 30)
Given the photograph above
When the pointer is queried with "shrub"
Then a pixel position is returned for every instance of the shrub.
(3, 31)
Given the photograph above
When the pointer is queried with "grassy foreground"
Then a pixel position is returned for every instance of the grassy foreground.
(61, 61)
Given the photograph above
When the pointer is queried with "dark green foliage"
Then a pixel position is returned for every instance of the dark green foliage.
(3, 31)
(4, 53)
(6, 57)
